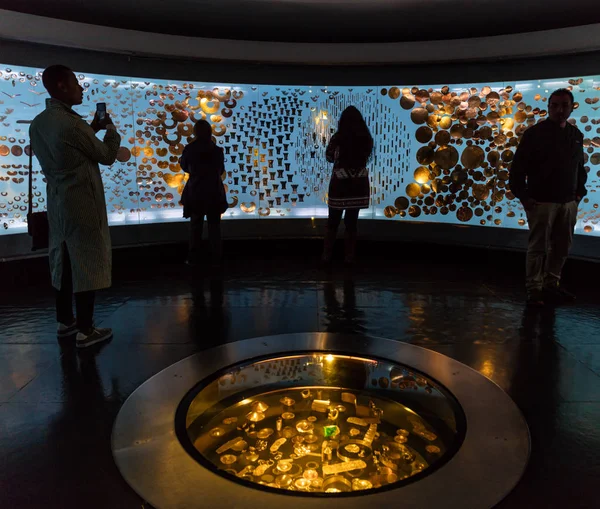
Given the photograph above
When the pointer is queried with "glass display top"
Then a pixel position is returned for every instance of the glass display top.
(321, 423)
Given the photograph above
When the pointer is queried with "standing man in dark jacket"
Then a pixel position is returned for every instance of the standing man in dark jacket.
(548, 176)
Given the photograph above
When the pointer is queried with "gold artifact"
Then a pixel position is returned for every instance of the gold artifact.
(259, 406)
(255, 416)
(288, 432)
(310, 474)
(407, 101)
(361, 484)
(320, 405)
(394, 92)
(283, 481)
(401, 203)
(413, 190)
(305, 426)
(229, 445)
(284, 465)
(277, 444)
(228, 459)
(389, 212)
(446, 157)
(422, 175)
(240, 445)
(302, 484)
(311, 439)
(419, 115)
(217, 432)
(265, 433)
(357, 421)
(345, 466)
(251, 457)
(263, 467)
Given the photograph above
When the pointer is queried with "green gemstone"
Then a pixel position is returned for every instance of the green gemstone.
(330, 431)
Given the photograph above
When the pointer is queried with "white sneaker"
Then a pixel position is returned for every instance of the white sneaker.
(96, 336)
(65, 331)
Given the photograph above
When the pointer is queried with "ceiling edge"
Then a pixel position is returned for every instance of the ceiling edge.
(42, 30)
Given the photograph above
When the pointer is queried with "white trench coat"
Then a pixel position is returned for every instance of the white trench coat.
(69, 153)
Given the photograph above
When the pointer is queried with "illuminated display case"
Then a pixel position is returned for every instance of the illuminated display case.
(442, 152)
(321, 423)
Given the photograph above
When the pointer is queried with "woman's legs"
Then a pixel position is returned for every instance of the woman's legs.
(333, 221)
(214, 236)
(351, 223)
(196, 227)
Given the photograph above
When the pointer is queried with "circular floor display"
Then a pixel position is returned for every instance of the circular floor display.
(302, 419)
(321, 423)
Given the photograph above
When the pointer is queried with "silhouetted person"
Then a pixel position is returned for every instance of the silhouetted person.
(549, 177)
(204, 193)
(349, 190)
(80, 247)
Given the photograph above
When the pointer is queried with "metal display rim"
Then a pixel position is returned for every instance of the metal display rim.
(487, 466)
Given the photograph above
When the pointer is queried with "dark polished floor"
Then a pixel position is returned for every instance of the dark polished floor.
(57, 406)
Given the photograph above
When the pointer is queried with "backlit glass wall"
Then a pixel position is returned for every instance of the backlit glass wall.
(442, 152)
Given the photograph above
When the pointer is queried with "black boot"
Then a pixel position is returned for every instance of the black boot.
(350, 247)
(328, 244)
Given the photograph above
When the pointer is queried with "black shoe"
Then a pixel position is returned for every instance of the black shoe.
(535, 298)
(558, 294)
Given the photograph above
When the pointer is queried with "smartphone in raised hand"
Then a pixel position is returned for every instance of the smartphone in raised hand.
(101, 111)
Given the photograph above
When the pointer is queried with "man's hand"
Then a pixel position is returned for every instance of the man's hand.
(98, 125)
(529, 204)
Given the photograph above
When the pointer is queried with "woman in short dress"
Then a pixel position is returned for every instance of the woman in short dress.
(349, 190)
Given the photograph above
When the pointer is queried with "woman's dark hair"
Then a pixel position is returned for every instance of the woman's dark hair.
(203, 131)
(354, 138)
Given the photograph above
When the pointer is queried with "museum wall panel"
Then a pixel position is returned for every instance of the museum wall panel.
(442, 151)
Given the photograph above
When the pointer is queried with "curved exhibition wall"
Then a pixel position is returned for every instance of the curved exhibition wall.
(442, 152)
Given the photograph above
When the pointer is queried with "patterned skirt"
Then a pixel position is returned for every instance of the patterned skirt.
(349, 189)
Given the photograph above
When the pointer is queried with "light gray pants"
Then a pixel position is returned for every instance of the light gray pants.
(551, 228)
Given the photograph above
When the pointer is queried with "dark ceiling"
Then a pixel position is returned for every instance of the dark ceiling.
(321, 20)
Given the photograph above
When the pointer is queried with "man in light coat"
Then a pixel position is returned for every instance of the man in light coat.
(80, 248)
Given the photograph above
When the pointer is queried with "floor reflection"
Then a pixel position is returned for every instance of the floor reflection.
(81, 379)
(538, 324)
(209, 321)
(341, 311)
